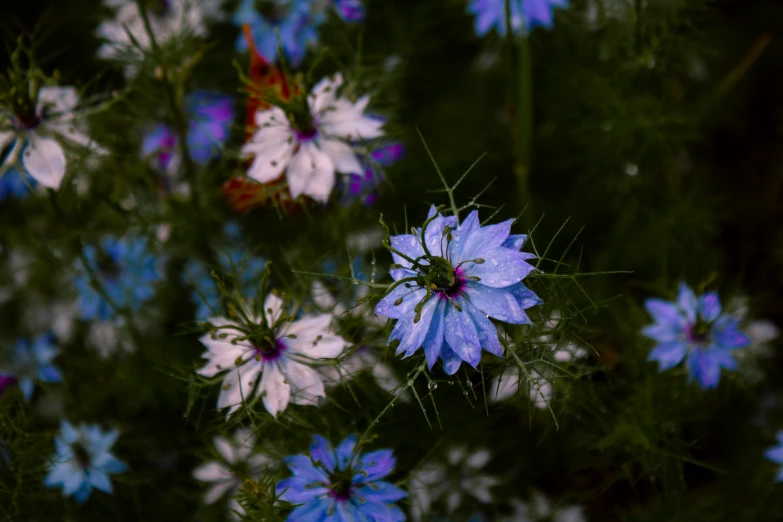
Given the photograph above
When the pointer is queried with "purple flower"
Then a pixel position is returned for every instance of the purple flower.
(350, 10)
(694, 327)
(525, 15)
(341, 485)
(362, 186)
(450, 279)
(31, 362)
(775, 454)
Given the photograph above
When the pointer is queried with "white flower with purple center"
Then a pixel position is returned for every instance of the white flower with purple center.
(450, 279)
(317, 141)
(31, 362)
(459, 476)
(271, 359)
(238, 459)
(694, 327)
(341, 485)
(525, 14)
(36, 128)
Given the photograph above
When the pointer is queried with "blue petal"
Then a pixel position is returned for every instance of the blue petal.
(345, 451)
(687, 302)
(487, 333)
(376, 465)
(664, 312)
(68, 432)
(381, 492)
(515, 241)
(27, 386)
(109, 464)
(774, 454)
(411, 333)
(99, 480)
(502, 267)
(709, 306)
(410, 297)
(302, 467)
(49, 373)
(525, 297)
(668, 355)
(321, 451)
(779, 476)
(461, 334)
(474, 243)
(409, 245)
(704, 368)
(451, 361)
(83, 493)
(664, 333)
(299, 490)
(726, 334)
(313, 511)
(498, 303)
(434, 339)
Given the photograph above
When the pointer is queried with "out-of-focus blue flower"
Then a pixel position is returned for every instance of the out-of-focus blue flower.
(362, 187)
(341, 485)
(15, 184)
(32, 361)
(694, 327)
(126, 271)
(525, 14)
(350, 10)
(452, 279)
(295, 20)
(83, 461)
(244, 270)
(209, 119)
(775, 454)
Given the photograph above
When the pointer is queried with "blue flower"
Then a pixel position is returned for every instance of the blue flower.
(210, 116)
(124, 268)
(363, 186)
(341, 485)
(83, 461)
(31, 362)
(775, 454)
(15, 183)
(350, 10)
(295, 20)
(525, 14)
(448, 289)
(696, 328)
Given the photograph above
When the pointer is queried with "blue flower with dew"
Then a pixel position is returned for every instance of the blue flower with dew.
(694, 328)
(775, 454)
(83, 461)
(525, 15)
(450, 279)
(125, 270)
(31, 362)
(341, 485)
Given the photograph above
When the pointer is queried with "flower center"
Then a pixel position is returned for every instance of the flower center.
(700, 332)
(443, 277)
(341, 490)
(267, 350)
(107, 266)
(306, 135)
(273, 10)
(81, 454)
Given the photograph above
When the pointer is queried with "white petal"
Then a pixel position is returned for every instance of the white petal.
(346, 120)
(230, 393)
(314, 338)
(211, 472)
(44, 159)
(311, 172)
(225, 448)
(218, 490)
(323, 94)
(322, 297)
(306, 384)
(505, 386)
(270, 162)
(62, 100)
(275, 390)
(273, 308)
(221, 356)
(478, 459)
(342, 156)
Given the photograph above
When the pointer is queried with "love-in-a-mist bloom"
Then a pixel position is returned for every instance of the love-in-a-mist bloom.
(694, 327)
(341, 484)
(36, 127)
(460, 475)
(83, 461)
(322, 137)
(126, 34)
(296, 21)
(350, 10)
(31, 361)
(775, 454)
(125, 270)
(449, 280)
(238, 460)
(525, 14)
(540, 509)
(272, 358)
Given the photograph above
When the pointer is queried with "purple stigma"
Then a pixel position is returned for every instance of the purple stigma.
(342, 493)
(306, 135)
(457, 288)
(270, 353)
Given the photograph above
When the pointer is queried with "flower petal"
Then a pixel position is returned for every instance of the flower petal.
(44, 159)
(502, 267)
(376, 465)
(342, 156)
(311, 172)
(461, 334)
(306, 384)
(687, 302)
(709, 306)
(434, 340)
(321, 451)
(668, 354)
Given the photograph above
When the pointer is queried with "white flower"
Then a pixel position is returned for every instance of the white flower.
(168, 19)
(507, 385)
(563, 351)
(277, 369)
(237, 455)
(37, 136)
(109, 337)
(311, 156)
(461, 475)
(540, 509)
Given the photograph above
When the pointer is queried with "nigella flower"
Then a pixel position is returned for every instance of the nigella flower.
(31, 361)
(525, 14)
(341, 485)
(296, 21)
(238, 459)
(209, 118)
(36, 127)
(694, 328)
(125, 270)
(15, 183)
(271, 358)
(83, 461)
(507, 385)
(460, 475)
(450, 279)
(316, 142)
(540, 509)
(362, 187)
(775, 454)
(350, 10)
(168, 19)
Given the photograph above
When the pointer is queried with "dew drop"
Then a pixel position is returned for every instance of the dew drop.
(432, 386)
